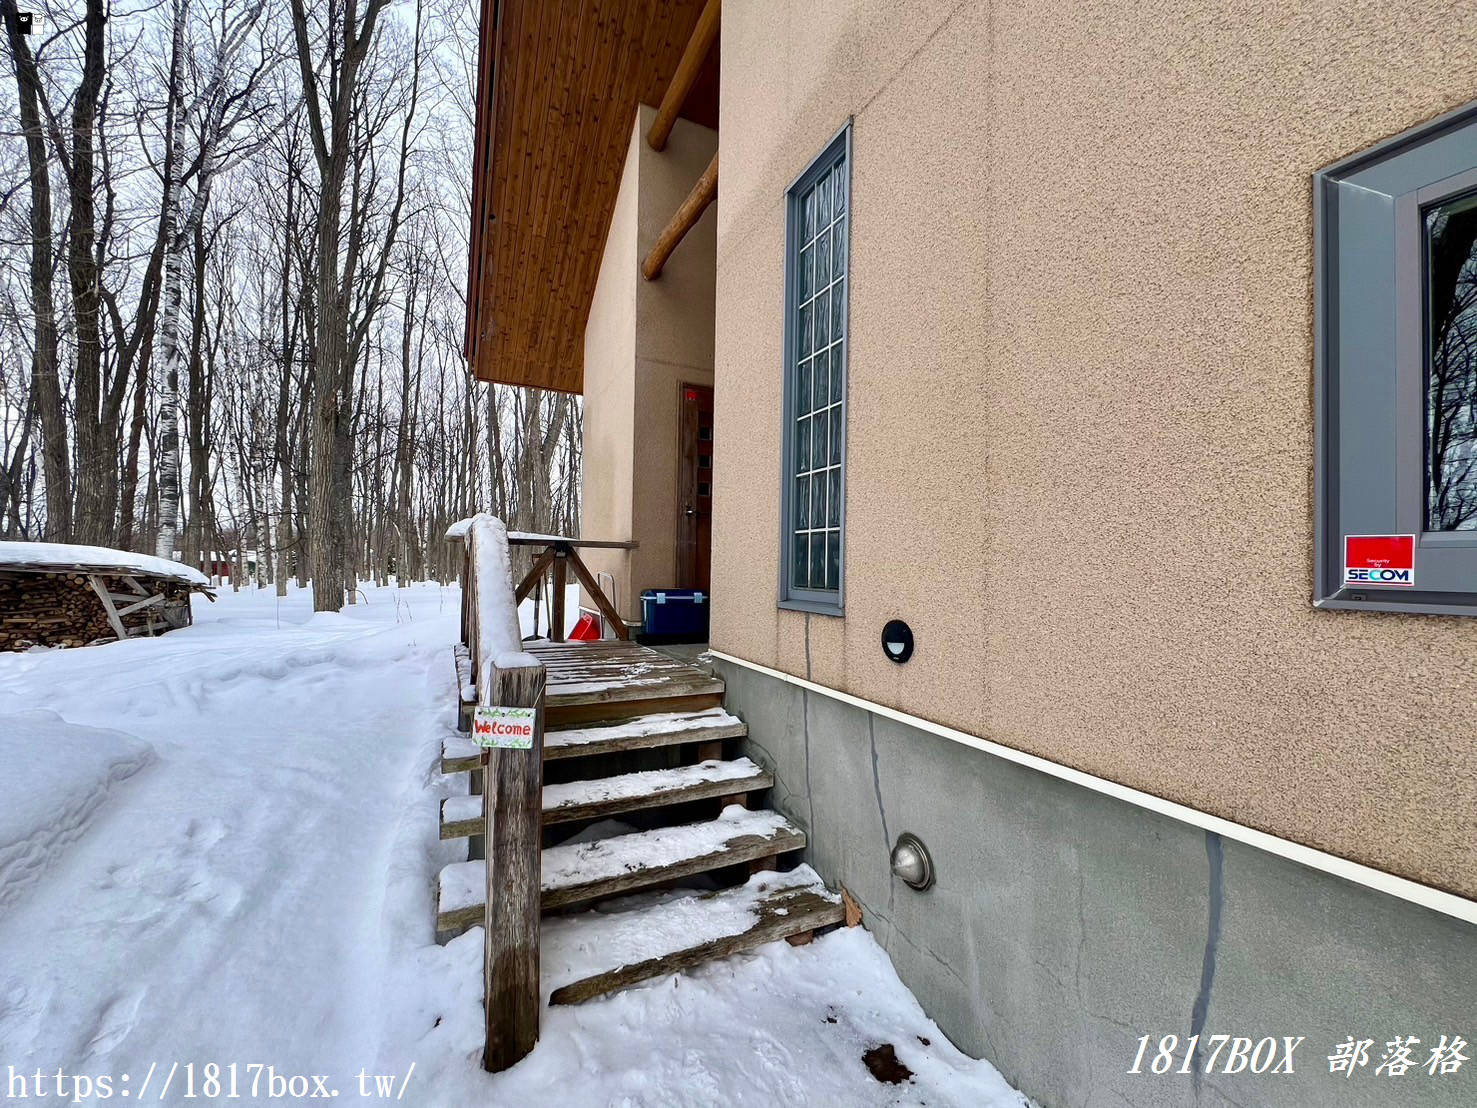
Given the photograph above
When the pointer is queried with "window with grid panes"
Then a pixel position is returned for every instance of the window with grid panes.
(815, 380)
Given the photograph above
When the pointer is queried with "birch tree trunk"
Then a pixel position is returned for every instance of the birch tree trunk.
(169, 313)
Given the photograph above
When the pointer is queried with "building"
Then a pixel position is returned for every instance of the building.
(1077, 337)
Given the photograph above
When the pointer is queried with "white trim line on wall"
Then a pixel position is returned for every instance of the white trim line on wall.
(1427, 897)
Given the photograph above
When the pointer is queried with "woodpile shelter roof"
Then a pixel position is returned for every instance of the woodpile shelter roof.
(558, 86)
(58, 557)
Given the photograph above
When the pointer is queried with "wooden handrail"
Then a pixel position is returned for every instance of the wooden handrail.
(512, 784)
(703, 193)
(559, 554)
(693, 56)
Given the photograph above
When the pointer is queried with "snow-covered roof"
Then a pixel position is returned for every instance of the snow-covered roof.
(61, 557)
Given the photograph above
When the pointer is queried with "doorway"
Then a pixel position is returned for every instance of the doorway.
(695, 488)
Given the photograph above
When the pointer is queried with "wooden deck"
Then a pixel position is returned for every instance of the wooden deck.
(605, 680)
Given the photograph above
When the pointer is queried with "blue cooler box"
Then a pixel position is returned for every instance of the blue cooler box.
(677, 614)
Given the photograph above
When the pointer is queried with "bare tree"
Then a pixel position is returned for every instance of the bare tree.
(223, 102)
(46, 393)
(258, 339)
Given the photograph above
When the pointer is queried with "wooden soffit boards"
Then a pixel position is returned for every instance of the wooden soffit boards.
(553, 126)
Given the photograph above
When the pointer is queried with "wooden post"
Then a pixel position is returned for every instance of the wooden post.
(556, 604)
(688, 68)
(513, 818)
(466, 598)
(703, 193)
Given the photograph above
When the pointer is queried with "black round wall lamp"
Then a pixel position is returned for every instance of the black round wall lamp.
(897, 641)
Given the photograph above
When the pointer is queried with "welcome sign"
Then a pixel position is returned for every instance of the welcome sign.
(500, 728)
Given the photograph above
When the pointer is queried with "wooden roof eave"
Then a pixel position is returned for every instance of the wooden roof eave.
(558, 83)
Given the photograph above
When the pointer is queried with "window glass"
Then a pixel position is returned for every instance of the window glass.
(816, 369)
(1451, 365)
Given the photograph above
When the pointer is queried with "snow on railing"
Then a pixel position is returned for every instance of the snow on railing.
(506, 676)
(496, 638)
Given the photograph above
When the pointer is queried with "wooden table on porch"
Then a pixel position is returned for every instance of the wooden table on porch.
(561, 553)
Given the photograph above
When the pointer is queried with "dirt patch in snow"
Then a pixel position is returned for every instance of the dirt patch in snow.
(882, 1063)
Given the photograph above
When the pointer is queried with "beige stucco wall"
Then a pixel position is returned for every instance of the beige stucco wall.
(644, 339)
(1080, 419)
(607, 463)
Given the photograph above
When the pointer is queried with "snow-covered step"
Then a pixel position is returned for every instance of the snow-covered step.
(582, 698)
(627, 792)
(459, 753)
(630, 792)
(577, 873)
(643, 732)
(594, 953)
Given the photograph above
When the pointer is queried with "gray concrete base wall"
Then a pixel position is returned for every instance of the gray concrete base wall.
(1065, 924)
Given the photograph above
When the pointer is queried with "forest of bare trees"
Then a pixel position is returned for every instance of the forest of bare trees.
(233, 246)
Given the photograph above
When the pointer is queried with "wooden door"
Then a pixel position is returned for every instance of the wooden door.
(695, 488)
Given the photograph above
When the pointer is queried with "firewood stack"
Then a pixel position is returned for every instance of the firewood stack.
(61, 609)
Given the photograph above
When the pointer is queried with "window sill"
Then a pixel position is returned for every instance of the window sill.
(1381, 600)
(814, 607)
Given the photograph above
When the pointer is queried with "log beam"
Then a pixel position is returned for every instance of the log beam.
(693, 56)
(703, 193)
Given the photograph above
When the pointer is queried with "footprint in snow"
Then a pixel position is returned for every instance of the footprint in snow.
(204, 834)
(163, 886)
(117, 1020)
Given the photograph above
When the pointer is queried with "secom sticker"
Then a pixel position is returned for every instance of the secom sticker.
(1379, 560)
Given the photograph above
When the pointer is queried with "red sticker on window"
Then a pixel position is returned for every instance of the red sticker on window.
(1379, 560)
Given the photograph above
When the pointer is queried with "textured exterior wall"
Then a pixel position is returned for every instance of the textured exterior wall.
(608, 460)
(643, 340)
(1080, 439)
(1064, 924)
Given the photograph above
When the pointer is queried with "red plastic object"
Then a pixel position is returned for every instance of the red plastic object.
(586, 630)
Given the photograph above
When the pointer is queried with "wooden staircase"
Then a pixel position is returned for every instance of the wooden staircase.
(633, 734)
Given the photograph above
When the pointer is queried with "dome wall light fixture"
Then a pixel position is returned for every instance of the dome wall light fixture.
(897, 641)
(911, 862)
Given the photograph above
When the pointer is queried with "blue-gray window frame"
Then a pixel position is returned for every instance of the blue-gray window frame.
(821, 601)
(1369, 363)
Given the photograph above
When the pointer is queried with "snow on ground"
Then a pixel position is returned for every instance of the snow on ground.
(58, 778)
(783, 1026)
(221, 845)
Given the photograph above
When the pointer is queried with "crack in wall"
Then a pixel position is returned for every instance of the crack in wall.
(882, 812)
(1081, 927)
(1214, 854)
(877, 781)
(896, 932)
